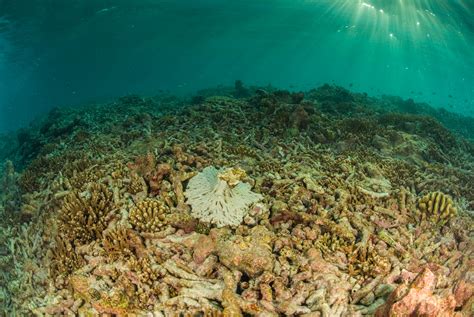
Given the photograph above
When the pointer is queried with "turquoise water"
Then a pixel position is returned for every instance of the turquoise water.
(236, 158)
(71, 52)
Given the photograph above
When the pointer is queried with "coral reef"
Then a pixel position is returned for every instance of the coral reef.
(219, 197)
(248, 201)
(437, 208)
(148, 215)
(83, 219)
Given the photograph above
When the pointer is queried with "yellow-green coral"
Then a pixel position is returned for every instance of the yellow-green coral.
(147, 270)
(149, 215)
(365, 261)
(437, 208)
(232, 175)
(242, 150)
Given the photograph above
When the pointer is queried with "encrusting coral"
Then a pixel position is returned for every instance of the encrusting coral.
(220, 197)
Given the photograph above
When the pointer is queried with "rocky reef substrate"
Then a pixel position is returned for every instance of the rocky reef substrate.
(241, 201)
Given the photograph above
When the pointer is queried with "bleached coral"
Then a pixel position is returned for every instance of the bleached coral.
(220, 197)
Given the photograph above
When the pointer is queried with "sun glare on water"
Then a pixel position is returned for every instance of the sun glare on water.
(412, 21)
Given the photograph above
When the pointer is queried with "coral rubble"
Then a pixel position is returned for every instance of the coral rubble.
(243, 201)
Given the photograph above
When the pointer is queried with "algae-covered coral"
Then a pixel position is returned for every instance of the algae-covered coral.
(340, 205)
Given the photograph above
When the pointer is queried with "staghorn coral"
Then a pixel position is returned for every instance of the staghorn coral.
(437, 208)
(121, 242)
(219, 197)
(147, 269)
(29, 181)
(366, 262)
(81, 179)
(149, 215)
(31, 206)
(269, 166)
(10, 190)
(136, 184)
(83, 218)
(65, 259)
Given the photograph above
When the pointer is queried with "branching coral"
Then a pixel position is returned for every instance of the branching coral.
(436, 207)
(149, 215)
(364, 261)
(136, 184)
(242, 150)
(10, 191)
(65, 258)
(121, 242)
(29, 181)
(83, 218)
(220, 197)
(147, 270)
(81, 179)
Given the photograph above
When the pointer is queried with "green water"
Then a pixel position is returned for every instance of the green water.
(55, 53)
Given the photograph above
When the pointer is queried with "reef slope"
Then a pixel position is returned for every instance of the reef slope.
(355, 206)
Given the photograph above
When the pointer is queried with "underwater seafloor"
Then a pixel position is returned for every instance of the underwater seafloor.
(241, 201)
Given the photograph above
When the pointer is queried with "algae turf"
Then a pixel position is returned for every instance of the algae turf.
(357, 198)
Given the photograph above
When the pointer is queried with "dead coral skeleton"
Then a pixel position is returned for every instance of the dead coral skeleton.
(220, 197)
(326, 224)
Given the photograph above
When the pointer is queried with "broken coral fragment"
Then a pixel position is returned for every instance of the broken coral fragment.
(250, 254)
(418, 299)
(219, 197)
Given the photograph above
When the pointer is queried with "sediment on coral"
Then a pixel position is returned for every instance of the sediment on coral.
(246, 201)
